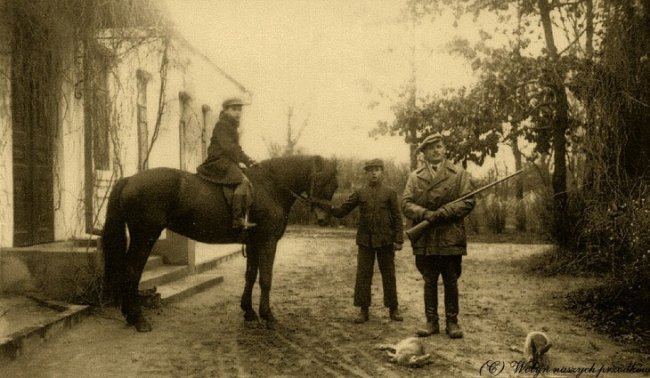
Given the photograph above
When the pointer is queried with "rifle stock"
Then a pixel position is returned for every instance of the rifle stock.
(414, 233)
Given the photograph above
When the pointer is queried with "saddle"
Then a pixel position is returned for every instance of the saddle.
(228, 192)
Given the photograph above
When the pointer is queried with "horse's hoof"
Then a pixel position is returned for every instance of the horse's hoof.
(250, 316)
(270, 322)
(140, 322)
(144, 326)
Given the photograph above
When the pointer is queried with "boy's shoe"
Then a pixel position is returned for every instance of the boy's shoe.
(453, 331)
(395, 315)
(363, 316)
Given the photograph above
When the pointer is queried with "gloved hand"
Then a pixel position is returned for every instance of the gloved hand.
(432, 216)
(397, 246)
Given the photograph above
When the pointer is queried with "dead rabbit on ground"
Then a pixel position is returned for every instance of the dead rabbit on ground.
(408, 352)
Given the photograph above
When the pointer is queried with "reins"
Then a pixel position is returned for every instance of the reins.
(308, 200)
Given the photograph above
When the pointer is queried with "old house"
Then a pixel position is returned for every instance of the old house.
(90, 92)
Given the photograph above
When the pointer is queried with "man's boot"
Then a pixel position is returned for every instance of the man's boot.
(395, 315)
(363, 315)
(430, 310)
(430, 328)
(451, 311)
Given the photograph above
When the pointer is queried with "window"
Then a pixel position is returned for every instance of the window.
(97, 112)
(143, 130)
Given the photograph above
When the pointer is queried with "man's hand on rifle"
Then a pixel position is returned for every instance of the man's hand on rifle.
(433, 216)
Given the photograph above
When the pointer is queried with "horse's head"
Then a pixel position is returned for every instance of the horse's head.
(323, 186)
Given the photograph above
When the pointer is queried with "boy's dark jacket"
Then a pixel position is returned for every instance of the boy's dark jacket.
(224, 154)
(380, 220)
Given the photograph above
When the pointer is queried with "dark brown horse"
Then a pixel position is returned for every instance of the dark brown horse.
(160, 198)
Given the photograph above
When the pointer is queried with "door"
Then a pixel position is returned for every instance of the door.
(33, 116)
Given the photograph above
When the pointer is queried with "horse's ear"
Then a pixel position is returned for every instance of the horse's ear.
(318, 163)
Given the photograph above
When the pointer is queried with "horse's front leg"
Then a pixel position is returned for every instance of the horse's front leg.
(266, 257)
(250, 276)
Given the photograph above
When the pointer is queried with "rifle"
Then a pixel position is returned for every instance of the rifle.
(416, 231)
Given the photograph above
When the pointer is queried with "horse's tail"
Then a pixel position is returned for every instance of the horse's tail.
(114, 245)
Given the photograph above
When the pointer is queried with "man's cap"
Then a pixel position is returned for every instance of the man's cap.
(428, 140)
(231, 101)
(373, 163)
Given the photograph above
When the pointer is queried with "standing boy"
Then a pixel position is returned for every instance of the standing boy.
(379, 234)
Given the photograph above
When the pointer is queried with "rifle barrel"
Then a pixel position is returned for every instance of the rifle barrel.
(485, 187)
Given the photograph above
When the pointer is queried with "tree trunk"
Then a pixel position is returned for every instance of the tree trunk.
(589, 32)
(520, 210)
(560, 125)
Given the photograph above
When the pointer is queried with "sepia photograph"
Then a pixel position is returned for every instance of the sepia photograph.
(325, 188)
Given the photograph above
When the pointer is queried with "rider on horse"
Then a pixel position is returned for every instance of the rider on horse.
(224, 156)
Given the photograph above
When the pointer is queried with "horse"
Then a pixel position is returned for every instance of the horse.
(159, 198)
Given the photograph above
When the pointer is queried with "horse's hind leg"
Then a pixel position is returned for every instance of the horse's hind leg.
(266, 258)
(136, 257)
(251, 275)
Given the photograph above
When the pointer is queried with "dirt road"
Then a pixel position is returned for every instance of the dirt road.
(205, 336)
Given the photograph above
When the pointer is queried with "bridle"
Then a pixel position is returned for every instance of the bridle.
(310, 200)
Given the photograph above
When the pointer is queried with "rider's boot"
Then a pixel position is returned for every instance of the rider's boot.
(239, 219)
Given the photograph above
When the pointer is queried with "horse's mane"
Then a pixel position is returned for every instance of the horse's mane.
(289, 165)
(279, 169)
(288, 171)
(293, 161)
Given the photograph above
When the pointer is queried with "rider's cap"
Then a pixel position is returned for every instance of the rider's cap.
(373, 163)
(232, 101)
(428, 140)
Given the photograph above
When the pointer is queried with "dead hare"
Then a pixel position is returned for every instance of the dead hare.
(408, 352)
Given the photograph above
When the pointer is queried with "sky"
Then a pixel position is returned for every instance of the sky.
(329, 60)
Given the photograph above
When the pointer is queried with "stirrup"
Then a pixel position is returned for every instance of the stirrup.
(243, 226)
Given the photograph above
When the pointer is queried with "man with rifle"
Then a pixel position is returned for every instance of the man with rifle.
(428, 196)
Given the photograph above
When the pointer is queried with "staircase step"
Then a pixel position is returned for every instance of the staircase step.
(218, 258)
(162, 275)
(188, 286)
(154, 261)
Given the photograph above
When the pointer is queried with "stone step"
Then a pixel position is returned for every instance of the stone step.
(33, 330)
(161, 275)
(188, 286)
(154, 261)
(218, 258)
(176, 282)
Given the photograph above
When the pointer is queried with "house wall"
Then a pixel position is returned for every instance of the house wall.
(69, 152)
(6, 168)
